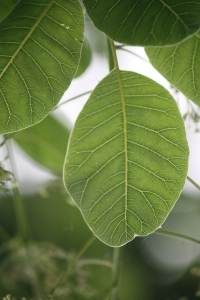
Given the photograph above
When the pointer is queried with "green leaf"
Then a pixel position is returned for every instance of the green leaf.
(145, 23)
(127, 158)
(46, 143)
(40, 50)
(180, 66)
(86, 57)
(6, 7)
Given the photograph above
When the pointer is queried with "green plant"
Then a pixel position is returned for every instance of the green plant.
(127, 157)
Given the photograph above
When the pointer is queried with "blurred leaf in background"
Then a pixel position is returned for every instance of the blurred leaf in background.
(46, 143)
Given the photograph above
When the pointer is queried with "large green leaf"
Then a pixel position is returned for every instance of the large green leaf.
(46, 143)
(6, 7)
(180, 65)
(155, 22)
(127, 158)
(40, 50)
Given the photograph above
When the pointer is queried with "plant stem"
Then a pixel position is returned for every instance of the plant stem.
(93, 261)
(73, 98)
(193, 182)
(19, 208)
(131, 52)
(115, 273)
(111, 62)
(177, 235)
(73, 263)
(116, 250)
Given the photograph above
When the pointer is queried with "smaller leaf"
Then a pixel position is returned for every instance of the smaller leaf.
(180, 66)
(45, 142)
(86, 57)
(145, 23)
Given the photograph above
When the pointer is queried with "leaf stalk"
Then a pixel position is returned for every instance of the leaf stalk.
(22, 225)
(115, 273)
(193, 182)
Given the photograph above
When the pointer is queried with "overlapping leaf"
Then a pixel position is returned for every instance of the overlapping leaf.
(86, 57)
(40, 50)
(145, 23)
(46, 143)
(127, 158)
(180, 66)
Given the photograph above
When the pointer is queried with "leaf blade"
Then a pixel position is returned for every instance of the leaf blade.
(169, 62)
(125, 191)
(145, 23)
(39, 57)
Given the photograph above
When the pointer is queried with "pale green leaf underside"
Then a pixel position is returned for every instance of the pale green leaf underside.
(180, 65)
(126, 171)
(40, 46)
(145, 23)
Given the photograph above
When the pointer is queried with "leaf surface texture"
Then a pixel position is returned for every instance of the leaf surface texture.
(145, 23)
(127, 158)
(180, 66)
(41, 42)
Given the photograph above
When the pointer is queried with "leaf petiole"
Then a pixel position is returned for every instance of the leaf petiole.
(193, 182)
(73, 98)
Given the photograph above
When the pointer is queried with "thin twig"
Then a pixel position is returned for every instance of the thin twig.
(177, 235)
(193, 182)
(93, 261)
(73, 98)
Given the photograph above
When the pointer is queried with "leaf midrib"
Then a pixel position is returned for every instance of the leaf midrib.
(27, 37)
(121, 88)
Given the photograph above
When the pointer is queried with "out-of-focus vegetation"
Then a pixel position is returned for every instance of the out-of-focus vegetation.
(157, 267)
(47, 252)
